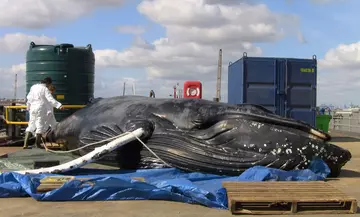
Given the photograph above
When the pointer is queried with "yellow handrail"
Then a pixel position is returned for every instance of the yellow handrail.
(24, 107)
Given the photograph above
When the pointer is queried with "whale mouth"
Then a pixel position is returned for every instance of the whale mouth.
(272, 119)
(234, 145)
(336, 159)
(225, 144)
(194, 154)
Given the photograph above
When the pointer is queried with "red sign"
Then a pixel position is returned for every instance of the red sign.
(193, 89)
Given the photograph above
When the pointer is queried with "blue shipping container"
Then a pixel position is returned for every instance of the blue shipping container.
(286, 86)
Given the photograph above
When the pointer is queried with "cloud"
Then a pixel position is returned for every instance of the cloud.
(8, 81)
(134, 30)
(218, 22)
(301, 38)
(344, 56)
(43, 13)
(107, 86)
(226, 2)
(318, 1)
(327, 1)
(19, 42)
(195, 31)
(339, 74)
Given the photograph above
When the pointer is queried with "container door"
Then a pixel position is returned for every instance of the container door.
(281, 88)
(261, 82)
(300, 83)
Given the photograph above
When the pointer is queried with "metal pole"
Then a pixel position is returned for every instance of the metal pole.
(124, 88)
(218, 83)
(349, 124)
(15, 88)
(133, 88)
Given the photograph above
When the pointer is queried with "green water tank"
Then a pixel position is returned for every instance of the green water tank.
(71, 68)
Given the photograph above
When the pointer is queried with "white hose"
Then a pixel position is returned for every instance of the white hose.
(90, 157)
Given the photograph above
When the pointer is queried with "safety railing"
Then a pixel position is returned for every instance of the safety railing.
(346, 123)
(11, 122)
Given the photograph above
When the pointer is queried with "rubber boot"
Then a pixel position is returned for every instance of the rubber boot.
(38, 141)
(26, 140)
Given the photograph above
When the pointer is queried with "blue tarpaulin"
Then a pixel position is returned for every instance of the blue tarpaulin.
(159, 184)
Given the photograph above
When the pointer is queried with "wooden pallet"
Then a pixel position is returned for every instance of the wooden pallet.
(50, 183)
(56, 146)
(287, 198)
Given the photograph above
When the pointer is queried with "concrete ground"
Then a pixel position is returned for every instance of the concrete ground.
(349, 182)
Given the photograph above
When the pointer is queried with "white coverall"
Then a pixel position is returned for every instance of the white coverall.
(39, 100)
(50, 117)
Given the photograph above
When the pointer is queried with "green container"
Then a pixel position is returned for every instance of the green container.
(322, 122)
(72, 70)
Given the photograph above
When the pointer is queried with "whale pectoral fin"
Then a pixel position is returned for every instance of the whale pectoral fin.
(99, 135)
(107, 131)
(146, 125)
(127, 156)
(102, 134)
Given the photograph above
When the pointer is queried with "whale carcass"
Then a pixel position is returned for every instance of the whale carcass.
(198, 135)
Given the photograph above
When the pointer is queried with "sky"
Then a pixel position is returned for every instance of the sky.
(159, 43)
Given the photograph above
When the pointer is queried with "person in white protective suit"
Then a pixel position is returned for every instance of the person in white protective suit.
(50, 117)
(38, 102)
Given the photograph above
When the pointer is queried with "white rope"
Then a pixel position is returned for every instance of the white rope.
(150, 149)
(112, 138)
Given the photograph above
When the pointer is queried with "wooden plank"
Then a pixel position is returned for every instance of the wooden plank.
(288, 198)
(50, 183)
(55, 146)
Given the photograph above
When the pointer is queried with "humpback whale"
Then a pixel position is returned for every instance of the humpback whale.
(198, 135)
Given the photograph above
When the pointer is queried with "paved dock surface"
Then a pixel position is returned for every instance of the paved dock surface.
(349, 182)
